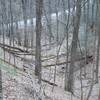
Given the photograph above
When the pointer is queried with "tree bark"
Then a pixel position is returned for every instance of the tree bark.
(98, 44)
(74, 46)
(39, 5)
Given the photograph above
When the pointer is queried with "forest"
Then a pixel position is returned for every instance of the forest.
(49, 49)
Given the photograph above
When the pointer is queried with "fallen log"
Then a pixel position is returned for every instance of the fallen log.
(19, 49)
(89, 59)
(46, 81)
(52, 57)
(5, 45)
(16, 52)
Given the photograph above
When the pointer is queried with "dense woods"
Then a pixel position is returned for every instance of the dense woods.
(49, 49)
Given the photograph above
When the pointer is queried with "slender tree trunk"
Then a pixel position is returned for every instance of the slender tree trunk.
(98, 44)
(11, 21)
(24, 7)
(3, 14)
(49, 22)
(32, 26)
(39, 5)
(67, 54)
(18, 34)
(1, 97)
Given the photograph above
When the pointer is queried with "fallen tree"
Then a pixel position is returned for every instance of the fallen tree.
(89, 59)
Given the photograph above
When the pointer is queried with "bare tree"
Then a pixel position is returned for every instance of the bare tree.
(39, 5)
(67, 54)
(74, 46)
(98, 44)
(32, 26)
(3, 17)
(24, 7)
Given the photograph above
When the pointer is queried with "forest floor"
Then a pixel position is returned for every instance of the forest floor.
(20, 83)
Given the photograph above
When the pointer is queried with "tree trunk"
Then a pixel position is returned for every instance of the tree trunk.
(39, 4)
(74, 46)
(32, 26)
(98, 45)
(24, 7)
(1, 97)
